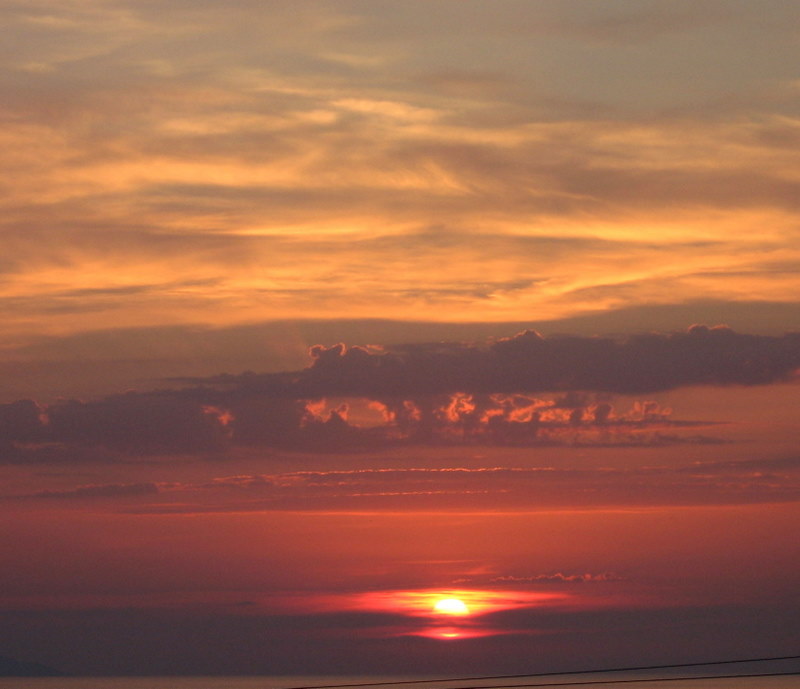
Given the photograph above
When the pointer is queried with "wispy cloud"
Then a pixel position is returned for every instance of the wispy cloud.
(510, 488)
(146, 142)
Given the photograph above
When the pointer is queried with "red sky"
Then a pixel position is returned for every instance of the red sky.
(319, 313)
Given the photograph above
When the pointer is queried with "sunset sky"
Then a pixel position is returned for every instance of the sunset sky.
(320, 313)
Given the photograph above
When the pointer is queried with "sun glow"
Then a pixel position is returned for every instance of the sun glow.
(434, 603)
(453, 633)
(451, 606)
(441, 614)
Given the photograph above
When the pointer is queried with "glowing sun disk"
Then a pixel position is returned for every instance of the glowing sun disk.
(451, 606)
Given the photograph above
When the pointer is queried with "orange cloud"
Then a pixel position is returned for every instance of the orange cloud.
(186, 189)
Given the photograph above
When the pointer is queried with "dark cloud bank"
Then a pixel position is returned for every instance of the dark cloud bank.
(528, 362)
(520, 390)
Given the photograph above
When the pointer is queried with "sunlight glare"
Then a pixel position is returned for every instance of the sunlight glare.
(451, 606)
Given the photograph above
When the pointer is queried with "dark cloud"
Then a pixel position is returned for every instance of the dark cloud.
(528, 362)
(20, 421)
(138, 423)
(499, 393)
(106, 361)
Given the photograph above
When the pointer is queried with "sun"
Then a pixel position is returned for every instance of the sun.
(451, 606)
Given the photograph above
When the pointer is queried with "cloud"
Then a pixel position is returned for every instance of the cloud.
(107, 490)
(170, 163)
(516, 488)
(138, 423)
(525, 390)
(20, 421)
(771, 464)
(546, 485)
(528, 362)
(558, 578)
(204, 146)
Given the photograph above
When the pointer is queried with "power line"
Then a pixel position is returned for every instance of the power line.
(645, 679)
(673, 666)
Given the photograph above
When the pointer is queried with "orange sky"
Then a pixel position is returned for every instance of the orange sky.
(187, 164)
(201, 200)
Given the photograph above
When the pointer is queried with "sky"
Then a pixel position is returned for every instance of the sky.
(318, 314)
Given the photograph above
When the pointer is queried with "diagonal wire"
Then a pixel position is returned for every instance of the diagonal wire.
(595, 682)
(673, 666)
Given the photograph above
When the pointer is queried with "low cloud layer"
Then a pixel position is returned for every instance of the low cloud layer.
(523, 390)
(529, 362)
